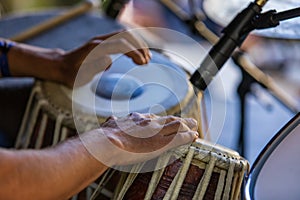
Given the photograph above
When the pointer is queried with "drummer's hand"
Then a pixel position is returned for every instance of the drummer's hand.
(138, 137)
(91, 58)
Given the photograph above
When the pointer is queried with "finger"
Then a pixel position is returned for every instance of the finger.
(122, 46)
(107, 36)
(151, 116)
(110, 122)
(138, 43)
(135, 40)
(144, 122)
(136, 116)
(136, 56)
(111, 118)
(167, 119)
(183, 138)
(173, 128)
(191, 123)
(143, 115)
(139, 119)
(144, 119)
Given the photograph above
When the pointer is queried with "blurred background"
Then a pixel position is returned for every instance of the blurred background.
(8, 6)
(276, 56)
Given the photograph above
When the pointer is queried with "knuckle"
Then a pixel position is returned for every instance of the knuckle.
(123, 41)
(172, 118)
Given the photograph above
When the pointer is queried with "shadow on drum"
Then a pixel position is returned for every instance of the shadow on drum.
(275, 173)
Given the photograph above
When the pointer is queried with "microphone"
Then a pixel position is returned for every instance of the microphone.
(112, 8)
(233, 36)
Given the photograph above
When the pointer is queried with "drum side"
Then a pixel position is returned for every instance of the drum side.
(223, 181)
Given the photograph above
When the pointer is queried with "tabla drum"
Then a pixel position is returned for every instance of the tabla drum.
(275, 173)
(161, 87)
(198, 171)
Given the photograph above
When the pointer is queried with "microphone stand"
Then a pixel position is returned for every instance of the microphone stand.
(250, 73)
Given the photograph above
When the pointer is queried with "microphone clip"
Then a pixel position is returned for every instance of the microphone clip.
(272, 19)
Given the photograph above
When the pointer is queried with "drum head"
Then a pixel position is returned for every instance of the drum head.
(275, 174)
(222, 12)
(154, 88)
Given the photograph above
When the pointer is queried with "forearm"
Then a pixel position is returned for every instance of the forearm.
(31, 61)
(54, 173)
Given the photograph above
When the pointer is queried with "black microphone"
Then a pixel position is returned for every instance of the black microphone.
(233, 36)
(112, 8)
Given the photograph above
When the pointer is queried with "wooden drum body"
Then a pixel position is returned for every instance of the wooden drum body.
(198, 171)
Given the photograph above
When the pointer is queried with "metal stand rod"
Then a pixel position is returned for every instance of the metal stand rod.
(287, 14)
(243, 90)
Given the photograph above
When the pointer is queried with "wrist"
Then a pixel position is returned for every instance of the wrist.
(65, 69)
(78, 148)
(4, 66)
(99, 146)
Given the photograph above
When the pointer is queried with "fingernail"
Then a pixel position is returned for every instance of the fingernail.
(143, 61)
(107, 68)
(196, 136)
(148, 58)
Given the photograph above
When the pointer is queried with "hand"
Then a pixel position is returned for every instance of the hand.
(91, 58)
(138, 137)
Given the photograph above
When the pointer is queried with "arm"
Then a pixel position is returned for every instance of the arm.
(62, 66)
(63, 170)
(54, 173)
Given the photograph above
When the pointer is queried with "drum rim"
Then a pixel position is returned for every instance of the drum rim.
(265, 154)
